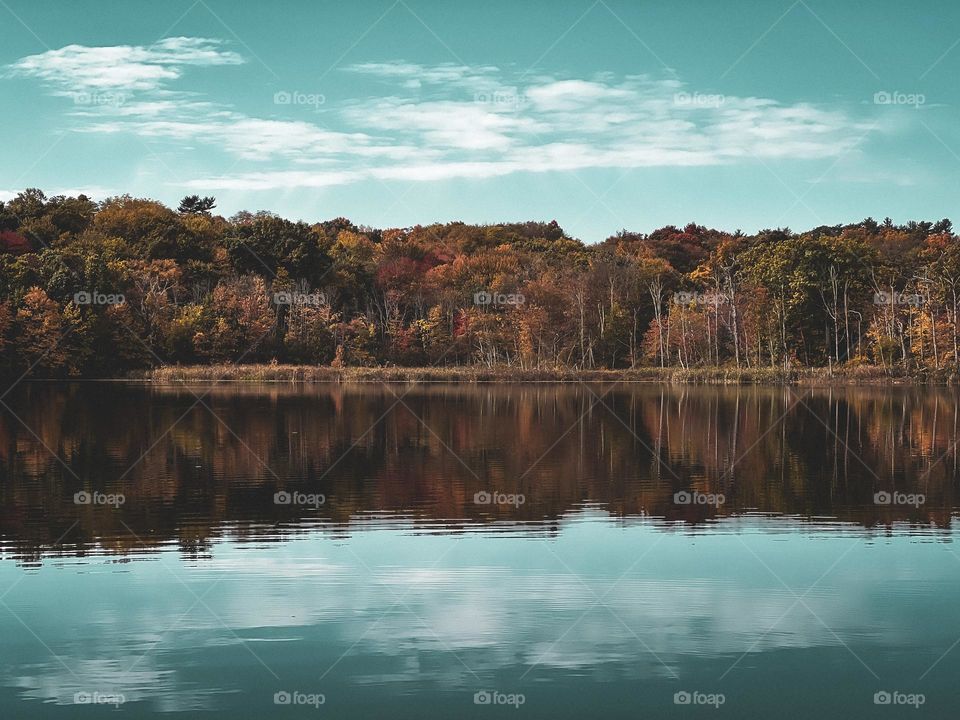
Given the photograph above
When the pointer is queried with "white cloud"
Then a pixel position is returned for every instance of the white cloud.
(444, 124)
(414, 76)
(274, 180)
(130, 68)
(436, 123)
(568, 95)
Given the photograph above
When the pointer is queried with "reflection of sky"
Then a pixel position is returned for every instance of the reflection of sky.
(481, 603)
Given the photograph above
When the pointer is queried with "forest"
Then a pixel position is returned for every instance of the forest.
(105, 289)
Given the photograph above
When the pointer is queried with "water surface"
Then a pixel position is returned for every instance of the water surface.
(529, 543)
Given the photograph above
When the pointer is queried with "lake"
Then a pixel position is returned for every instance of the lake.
(441, 551)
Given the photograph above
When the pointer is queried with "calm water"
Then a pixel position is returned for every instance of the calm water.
(416, 551)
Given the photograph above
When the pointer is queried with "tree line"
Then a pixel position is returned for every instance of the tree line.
(103, 289)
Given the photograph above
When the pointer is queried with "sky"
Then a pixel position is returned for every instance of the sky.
(602, 115)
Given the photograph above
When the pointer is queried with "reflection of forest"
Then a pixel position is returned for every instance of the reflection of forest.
(211, 466)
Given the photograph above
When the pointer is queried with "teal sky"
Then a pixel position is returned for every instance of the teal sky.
(601, 115)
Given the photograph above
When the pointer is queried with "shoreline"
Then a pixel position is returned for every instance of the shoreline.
(270, 373)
